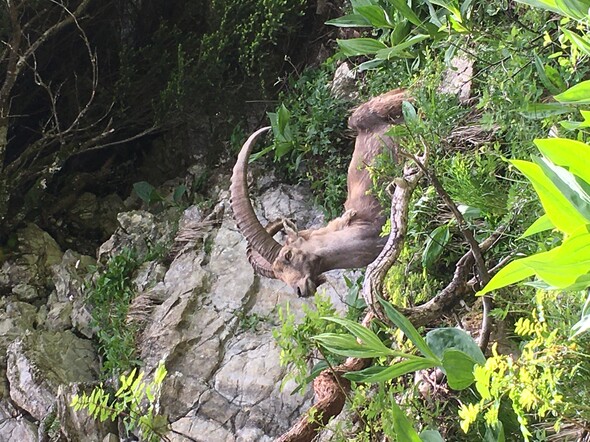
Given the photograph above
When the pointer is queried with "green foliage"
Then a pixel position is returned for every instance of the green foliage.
(399, 27)
(109, 296)
(294, 338)
(561, 179)
(309, 142)
(149, 195)
(451, 349)
(135, 403)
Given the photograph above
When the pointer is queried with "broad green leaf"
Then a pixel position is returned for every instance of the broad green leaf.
(371, 64)
(350, 21)
(459, 369)
(435, 245)
(581, 42)
(568, 186)
(406, 11)
(398, 50)
(562, 214)
(360, 46)
(449, 6)
(367, 337)
(442, 339)
(401, 425)
(540, 225)
(575, 9)
(409, 112)
(347, 345)
(571, 154)
(577, 94)
(431, 436)
(552, 88)
(548, 5)
(561, 267)
(375, 15)
(400, 32)
(283, 117)
(574, 125)
(536, 111)
(514, 271)
(146, 192)
(408, 329)
(381, 374)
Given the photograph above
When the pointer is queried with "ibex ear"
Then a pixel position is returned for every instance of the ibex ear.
(290, 229)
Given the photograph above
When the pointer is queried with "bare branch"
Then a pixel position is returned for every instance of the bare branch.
(482, 271)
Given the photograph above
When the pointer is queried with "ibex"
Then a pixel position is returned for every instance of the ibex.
(350, 241)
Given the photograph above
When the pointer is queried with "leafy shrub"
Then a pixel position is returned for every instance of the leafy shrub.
(109, 296)
(135, 403)
(310, 143)
(294, 338)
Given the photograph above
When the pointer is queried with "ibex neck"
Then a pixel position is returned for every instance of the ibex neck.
(352, 247)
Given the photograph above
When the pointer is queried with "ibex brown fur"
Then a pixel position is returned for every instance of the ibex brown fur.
(350, 241)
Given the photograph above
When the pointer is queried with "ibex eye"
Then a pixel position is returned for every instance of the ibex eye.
(288, 255)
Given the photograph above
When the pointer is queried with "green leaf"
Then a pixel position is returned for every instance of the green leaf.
(562, 214)
(569, 187)
(435, 245)
(146, 192)
(551, 87)
(406, 11)
(401, 425)
(575, 9)
(160, 373)
(350, 21)
(398, 50)
(431, 436)
(577, 94)
(443, 339)
(540, 225)
(548, 5)
(408, 329)
(459, 369)
(580, 42)
(366, 336)
(179, 192)
(563, 267)
(535, 111)
(347, 345)
(409, 112)
(283, 117)
(375, 15)
(371, 64)
(381, 374)
(571, 154)
(360, 46)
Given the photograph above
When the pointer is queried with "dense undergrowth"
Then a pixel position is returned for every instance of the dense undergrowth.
(533, 385)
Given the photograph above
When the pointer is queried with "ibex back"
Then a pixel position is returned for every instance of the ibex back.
(350, 241)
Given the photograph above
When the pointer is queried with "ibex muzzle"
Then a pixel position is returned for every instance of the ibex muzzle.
(350, 241)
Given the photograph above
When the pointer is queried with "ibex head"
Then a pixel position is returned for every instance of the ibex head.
(292, 263)
(351, 241)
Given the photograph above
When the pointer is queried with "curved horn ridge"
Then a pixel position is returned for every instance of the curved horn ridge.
(256, 235)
